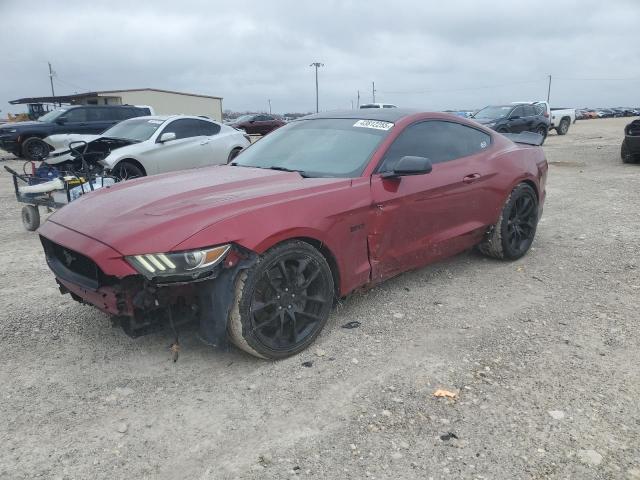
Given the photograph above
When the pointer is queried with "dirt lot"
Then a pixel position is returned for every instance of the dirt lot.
(543, 352)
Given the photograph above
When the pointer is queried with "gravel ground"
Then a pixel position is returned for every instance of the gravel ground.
(542, 354)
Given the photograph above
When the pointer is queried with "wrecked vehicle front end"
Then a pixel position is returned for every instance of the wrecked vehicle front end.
(145, 293)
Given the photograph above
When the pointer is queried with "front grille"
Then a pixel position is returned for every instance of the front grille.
(71, 265)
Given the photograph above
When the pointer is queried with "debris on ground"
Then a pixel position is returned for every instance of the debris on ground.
(441, 393)
(307, 364)
(448, 436)
(352, 324)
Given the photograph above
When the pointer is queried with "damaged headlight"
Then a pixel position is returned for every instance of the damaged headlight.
(189, 265)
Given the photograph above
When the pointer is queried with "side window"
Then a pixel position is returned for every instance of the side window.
(540, 109)
(436, 140)
(267, 118)
(208, 128)
(184, 128)
(529, 111)
(518, 112)
(99, 114)
(76, 115)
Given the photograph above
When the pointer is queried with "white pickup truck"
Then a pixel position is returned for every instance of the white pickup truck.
(560, 118)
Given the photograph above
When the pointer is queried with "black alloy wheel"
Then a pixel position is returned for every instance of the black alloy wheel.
(512, 235)
(521, 223)
(35, 149)
(285, 301)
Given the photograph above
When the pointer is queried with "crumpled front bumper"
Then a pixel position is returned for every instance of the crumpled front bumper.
(95, 273)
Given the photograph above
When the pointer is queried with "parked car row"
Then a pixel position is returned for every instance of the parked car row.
(26, 139)
(588, 113)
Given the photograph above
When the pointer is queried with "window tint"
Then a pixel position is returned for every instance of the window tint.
(529, 111)
(208, 128)
(184, 128)
(518, 112)
(540, 109)
(101, 114)
(76, 115)
(436, 140)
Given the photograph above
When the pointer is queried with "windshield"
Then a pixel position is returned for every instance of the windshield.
(243, 118)
(325, 147)
(492, 113)
(52, 115)
(135, 129)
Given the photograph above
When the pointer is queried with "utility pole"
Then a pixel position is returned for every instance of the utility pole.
(53, 93)
(358, 104)
(269, 106)
(549, 90)
(317, 64)
(373, 91)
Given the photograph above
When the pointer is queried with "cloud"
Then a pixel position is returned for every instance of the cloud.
(456, 54)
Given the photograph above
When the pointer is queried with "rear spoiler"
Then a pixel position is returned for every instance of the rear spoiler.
(527, 138)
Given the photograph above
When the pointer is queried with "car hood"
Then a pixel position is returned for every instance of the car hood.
(21, 125)
(155, 214)
(62, 141)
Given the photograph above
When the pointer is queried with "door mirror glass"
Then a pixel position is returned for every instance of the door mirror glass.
(61, 120)
(514, 117)
(167, 137)
(410, 165)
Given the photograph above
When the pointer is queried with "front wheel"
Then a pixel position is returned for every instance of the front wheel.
(35, 149)
(282, 302)
(126, 171)
(512, 235)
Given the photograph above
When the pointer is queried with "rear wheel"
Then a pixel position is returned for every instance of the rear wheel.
(282, 302)
(512, 235)
(127, 170)
(35, 149)
(542, 130)
(563, 128)
(30, 217)
(234, 153)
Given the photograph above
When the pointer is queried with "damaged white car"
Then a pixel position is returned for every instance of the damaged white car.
(150, 145)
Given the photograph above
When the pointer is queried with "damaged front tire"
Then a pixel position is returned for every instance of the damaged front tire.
(282, 302)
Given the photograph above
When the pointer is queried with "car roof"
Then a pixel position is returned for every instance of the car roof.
(164, 118)
(382, 114)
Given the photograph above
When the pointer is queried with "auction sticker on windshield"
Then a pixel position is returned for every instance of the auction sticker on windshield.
(378, 125)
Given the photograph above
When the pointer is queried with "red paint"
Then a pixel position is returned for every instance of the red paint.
(374, 227)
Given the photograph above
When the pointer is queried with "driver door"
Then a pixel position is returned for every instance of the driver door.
(420, 218)
(190, 148)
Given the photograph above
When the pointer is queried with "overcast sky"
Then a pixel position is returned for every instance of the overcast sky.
(425, 54)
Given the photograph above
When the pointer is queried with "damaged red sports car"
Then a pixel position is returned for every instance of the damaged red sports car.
(257, 251)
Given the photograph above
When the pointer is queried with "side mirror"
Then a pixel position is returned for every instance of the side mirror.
(410, 166)
(61, 120)
(167, 137)
(514, 117)
(251, 121)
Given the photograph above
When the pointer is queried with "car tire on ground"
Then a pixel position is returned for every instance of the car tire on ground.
(542, 130)
(35, 148)
(126, 170)
(282, 302)
(563, 128)
(30, 217)
(627, 157)
(512, 235)
(234, 153)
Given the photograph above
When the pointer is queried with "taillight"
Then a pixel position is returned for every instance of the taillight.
(546, 114)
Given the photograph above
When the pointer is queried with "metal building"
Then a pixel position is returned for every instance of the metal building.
(164, 102)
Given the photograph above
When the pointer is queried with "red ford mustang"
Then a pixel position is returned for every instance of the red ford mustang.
(258, 250)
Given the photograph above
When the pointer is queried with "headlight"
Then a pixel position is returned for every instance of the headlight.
(189, 265)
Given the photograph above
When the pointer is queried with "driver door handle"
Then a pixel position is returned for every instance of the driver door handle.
(205, 142)
(471, 178)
